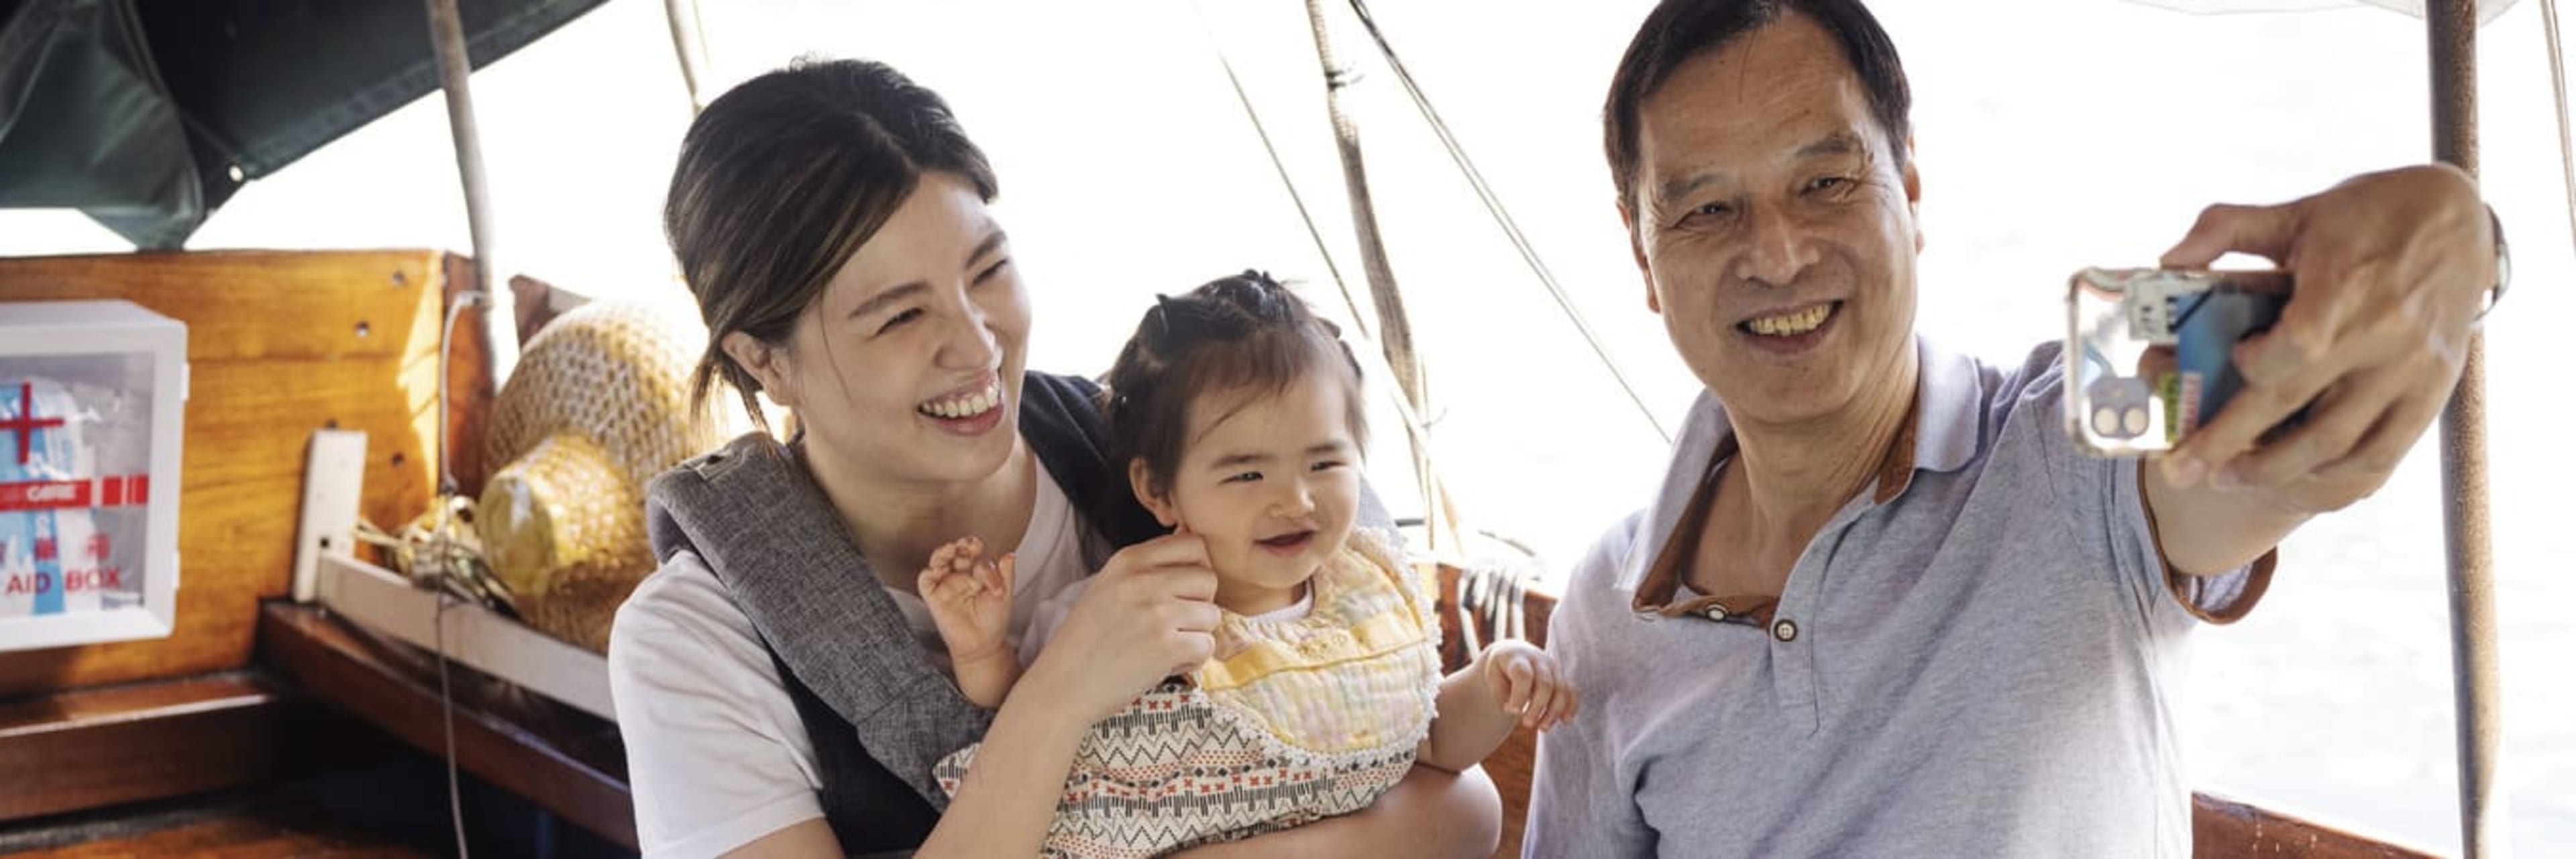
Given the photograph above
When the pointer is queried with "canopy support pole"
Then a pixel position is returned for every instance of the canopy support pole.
(1394, 327)
(2451, 28)
(447, 43)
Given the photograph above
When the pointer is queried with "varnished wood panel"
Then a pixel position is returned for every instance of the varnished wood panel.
(569, 763)
(1511, 763)
(234, 837)
(91, 748)
(2226, 829)
(279, 344)
(281, 822)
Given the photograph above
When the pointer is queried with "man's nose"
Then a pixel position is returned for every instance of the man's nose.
(1779, 250)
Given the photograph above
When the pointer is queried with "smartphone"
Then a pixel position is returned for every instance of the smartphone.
(2149, 351)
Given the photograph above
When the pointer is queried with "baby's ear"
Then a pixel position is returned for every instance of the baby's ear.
(1141, 481)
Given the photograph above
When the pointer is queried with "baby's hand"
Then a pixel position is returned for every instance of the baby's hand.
(1527, 683)
(970, 599)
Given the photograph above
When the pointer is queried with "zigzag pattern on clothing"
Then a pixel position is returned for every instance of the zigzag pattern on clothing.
(1175, 769)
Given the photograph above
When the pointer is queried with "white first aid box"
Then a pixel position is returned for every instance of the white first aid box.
(91, 400)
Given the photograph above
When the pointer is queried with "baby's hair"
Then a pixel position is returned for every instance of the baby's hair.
(1242, 333)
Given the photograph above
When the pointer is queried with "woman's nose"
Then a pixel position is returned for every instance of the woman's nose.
(970, 343)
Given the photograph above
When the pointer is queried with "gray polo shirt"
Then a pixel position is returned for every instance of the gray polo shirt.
(1977, 656)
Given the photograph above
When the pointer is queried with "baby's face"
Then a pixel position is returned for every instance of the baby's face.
(1271, 482)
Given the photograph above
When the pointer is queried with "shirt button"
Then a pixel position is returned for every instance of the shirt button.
(1784, 630)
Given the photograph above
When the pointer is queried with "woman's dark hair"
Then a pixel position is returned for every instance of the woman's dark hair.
(1241, 333)
(779, 182)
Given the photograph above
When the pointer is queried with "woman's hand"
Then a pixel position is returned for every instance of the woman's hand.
(1148, 615)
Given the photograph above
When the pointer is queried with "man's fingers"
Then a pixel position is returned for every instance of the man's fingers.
(2334, 427)
(2265, 231)
(2369, 463)
(2239, 425)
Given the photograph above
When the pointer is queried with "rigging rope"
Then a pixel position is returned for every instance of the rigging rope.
(2558, 87)
(1502, 217)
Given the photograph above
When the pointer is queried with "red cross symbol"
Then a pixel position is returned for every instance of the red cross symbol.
(25, 424)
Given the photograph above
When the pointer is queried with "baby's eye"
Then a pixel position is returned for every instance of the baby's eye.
(1244, 477)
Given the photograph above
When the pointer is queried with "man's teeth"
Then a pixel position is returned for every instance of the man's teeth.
(1792, 324)
(966, 406)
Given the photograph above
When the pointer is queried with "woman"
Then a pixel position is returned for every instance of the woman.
(779, 685)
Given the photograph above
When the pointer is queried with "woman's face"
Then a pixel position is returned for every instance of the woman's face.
(908, 366)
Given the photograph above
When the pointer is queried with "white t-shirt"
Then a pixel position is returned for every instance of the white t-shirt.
(716, 755)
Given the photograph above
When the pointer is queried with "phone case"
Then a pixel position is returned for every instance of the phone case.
(2148, 351)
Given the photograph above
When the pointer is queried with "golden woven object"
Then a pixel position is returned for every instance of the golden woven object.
(597, 406)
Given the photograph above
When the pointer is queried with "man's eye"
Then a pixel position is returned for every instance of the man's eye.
(1829, 183)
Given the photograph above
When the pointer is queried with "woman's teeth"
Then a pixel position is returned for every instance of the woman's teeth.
(1791, 324)
(965, 406)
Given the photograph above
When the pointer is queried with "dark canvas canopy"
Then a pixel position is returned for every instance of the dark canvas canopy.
(147, 114)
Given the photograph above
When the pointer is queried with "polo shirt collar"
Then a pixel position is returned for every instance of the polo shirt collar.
(1943, 434)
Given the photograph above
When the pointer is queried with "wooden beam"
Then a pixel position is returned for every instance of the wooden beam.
(91, 748)
(257, 822)
(567, 762)
(2223, 828)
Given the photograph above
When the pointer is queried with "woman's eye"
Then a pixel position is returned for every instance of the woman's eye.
(991, 270)
(1244, 477)
(899, 319)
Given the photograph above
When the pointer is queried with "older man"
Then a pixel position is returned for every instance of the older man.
(1883, 606)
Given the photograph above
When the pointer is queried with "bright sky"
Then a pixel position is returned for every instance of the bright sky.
(2052, 135)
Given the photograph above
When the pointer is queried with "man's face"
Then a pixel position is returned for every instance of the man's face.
(1775, 228)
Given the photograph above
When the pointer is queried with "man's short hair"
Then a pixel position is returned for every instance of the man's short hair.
(1679, 31)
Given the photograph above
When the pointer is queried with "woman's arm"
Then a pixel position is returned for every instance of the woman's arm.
(1148, 612)
(1431, 813)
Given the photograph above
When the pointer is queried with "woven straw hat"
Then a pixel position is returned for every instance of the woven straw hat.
(598, 405)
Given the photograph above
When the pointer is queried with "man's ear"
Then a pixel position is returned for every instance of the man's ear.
(1637, 249)
(1914, 193)
(1141, 481)
(766, 363)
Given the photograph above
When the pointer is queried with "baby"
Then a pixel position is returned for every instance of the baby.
(1239, 416)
